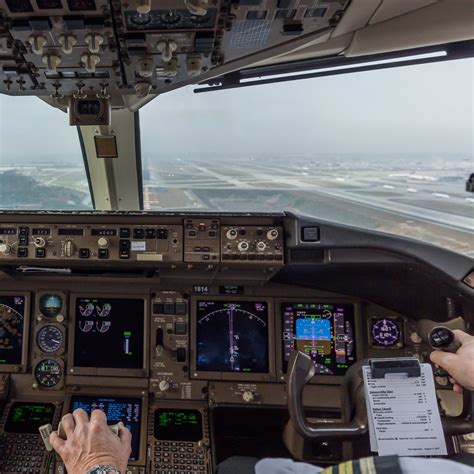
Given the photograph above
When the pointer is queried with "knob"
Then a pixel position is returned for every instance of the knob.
(90, 61)
(231, 234)
(52, 61)
(39, 242)
(94, 40)
(167, 47)
(193, 65)
(164, 386)
(247, 396)
(272, 234)
(103, 243)
(69, 248)
(196, 7)
(6, 249)
(261, 246)
(415, 338)
(243, 246)
(67, 43)
(38, 42)
(142, 89)
(143, 6)
(145, 67)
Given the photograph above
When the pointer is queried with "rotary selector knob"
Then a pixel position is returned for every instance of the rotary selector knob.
(261, 246)
(103, 243)
(247, 396)
(67, 43)
(39, 242)
(94, 41)
(272, 234)
(164, 386)
(243, 246)
(5, 249)
(69, 248)
(231, 234)
(37, 42)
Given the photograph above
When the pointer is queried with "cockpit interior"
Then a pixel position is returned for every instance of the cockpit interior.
(184, 323)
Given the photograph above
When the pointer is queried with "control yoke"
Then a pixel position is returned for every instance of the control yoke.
(300, 371)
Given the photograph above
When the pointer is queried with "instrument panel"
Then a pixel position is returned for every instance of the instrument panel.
(163, 349)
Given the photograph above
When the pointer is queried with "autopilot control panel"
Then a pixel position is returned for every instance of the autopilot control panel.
(180, 321)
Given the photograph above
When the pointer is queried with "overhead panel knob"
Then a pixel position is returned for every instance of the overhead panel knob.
(196, 7)
(5, 249)
(142, 89)
(90, 61)
(143, 6)
(52, 61)
(193, 65)
(167, 47)
(38, 42)
(94, 41)
(145, 67)
(67, 43)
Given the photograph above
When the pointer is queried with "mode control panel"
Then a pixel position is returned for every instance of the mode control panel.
(170, 348)
(252, 244)
(201, 240)
(82, 242)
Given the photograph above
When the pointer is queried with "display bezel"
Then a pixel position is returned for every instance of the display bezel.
(318, 378)
(21, 367)
(141, 460)
(374, 344)
(211, 375)
(107, 371)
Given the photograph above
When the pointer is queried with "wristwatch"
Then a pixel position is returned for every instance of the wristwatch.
(102, 469)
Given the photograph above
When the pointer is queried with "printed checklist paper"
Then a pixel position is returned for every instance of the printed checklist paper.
(403, 414)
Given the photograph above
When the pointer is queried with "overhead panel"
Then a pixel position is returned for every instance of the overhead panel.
(106, 49)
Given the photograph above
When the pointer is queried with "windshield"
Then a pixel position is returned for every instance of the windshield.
(389, 150)
(41, 164)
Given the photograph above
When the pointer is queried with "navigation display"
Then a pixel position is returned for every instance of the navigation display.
(178, 425)
(12, 325)
(25, 417)
(109, 333)
(232, 336)
(126, 410)
(323, 331)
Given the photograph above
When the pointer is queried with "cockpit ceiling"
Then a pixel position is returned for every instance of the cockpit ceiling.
(140, 48)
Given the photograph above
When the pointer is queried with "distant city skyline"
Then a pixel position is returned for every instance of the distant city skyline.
(419, 109)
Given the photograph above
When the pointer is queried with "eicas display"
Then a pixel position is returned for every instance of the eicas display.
(12, 316)
(323, 331)
(232, 336)
(109, 333)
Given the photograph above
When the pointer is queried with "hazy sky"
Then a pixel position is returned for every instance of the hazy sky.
(426, 108)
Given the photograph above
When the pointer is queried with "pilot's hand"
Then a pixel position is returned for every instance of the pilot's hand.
(460, 366)
(91, 442)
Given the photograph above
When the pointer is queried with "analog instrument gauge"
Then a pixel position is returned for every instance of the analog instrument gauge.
(50, 305)
(48, 373)
(386, 332)
(49, 339)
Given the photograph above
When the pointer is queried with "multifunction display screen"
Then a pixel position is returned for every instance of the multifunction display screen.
(12, 326)
(126, 410)
(25, 417)
(178, 425)
(323, 331)
(232, 336)
(109, 333)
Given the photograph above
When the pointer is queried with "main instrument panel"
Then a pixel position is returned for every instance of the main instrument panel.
(179, 319)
